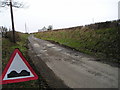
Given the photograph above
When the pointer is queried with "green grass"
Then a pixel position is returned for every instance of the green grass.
(101, 43)
(7, 49)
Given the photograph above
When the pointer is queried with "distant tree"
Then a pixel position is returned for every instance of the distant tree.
(50, 27)
(3, 31)
(10, 29)
(16, 4)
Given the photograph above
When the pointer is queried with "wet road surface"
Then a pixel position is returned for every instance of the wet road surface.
(76, 69)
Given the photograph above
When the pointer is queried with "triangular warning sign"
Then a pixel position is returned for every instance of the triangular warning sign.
(17, 70)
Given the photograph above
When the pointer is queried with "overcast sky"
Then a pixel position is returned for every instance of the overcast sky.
(60, 13)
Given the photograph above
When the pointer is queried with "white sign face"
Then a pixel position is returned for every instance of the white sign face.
(17, 70)
(17, 65)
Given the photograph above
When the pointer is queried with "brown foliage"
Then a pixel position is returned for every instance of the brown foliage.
(9, 35)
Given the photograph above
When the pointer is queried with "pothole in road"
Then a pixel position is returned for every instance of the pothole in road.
(76, 55)
(95, 73)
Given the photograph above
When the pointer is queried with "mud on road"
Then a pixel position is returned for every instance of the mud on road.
(63, 68)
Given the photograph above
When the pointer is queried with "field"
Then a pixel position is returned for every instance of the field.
(101, 42)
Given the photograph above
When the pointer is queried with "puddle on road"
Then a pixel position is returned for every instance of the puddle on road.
(53, 46)
(43, 50)
(57, 49)
(85, 58)
(38, 55)
(36, 45)
(50, 45)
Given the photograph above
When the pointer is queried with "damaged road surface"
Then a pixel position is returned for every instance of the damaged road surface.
(64, 67)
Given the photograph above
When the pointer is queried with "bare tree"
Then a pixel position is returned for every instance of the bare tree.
(50, 27)
(3, 31)
(16, 4)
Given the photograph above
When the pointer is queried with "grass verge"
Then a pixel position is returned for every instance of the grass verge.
(101, 43)
(7, 49)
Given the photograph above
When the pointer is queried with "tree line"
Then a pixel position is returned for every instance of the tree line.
(7, 33)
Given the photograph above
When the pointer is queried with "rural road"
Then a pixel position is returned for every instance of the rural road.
(75, 69)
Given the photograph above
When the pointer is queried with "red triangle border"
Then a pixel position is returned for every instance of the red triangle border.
(21, 79)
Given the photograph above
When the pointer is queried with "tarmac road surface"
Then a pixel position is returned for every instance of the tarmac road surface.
(75, 69)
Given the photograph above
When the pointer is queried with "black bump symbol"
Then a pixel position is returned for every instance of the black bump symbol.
(15, 74)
